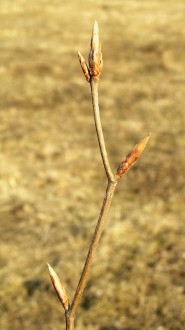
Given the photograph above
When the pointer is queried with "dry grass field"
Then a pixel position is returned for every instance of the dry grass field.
(51, 176)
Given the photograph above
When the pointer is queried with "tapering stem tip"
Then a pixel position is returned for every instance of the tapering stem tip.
(95, 27)
(95, 54)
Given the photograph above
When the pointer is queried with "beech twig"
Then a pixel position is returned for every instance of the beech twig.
(92, 73)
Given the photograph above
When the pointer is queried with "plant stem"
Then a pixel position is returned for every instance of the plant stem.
(69, 322)
(112, 182)
(95, 240)
(94, 94)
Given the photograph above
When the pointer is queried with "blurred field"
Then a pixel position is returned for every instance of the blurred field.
(51, 176)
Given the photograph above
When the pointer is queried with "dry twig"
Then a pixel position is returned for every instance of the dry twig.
(92, 74)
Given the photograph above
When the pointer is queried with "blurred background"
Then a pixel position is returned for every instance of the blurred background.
(52, 180)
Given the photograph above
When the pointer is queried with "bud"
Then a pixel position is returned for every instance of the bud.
(95, 55)
(132, 157)
(59, 288)
(84, 67)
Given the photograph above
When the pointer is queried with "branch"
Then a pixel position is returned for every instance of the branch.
(94, 93)
(95, 240)
(92, 74)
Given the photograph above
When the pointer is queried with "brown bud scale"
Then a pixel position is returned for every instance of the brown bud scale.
(59, 288)
(84, 67)
(95, 55)
(132, 157)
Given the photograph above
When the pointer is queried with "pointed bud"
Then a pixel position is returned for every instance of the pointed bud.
(95, 55)
(84, 67)
(58, 288)
(132, 157)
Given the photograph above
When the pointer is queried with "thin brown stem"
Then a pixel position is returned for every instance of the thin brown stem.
(69, 322)
(112, 182)
(96, 237)
(94, 94)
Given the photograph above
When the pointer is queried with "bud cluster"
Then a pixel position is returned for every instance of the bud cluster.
(95, 57)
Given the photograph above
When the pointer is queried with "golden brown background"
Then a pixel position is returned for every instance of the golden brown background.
(51, 175)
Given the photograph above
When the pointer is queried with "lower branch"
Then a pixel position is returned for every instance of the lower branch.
(96, 237)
